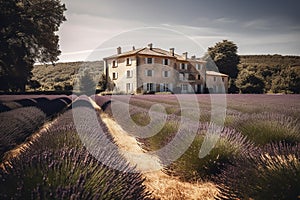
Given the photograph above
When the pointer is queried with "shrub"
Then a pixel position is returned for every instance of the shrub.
(264, 176)
(266, 128)
(230, 146)
(58, 165)
(17, 125)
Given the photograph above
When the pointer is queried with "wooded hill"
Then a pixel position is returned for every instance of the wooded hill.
(61, 76)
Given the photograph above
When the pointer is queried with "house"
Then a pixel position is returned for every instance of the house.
(152, 69)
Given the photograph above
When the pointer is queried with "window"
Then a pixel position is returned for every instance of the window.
(128, 61)
(199, 66)
(183, 66)
(186, 76)
(115, 75)
(129, 73)
(149, 61)
(150, 86)
(215, 79)
(165, 61)
(184, 87)
(181, 76)
(199, 77)
(166, 74)
(223, 79)
(165, 87)
(128, 87)
(115, 63)
(149, 72)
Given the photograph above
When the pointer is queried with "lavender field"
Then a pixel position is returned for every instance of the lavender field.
(43, 156)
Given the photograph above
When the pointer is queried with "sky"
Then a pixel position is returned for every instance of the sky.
(95, 28)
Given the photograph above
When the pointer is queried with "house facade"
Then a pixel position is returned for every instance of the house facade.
(152, 69)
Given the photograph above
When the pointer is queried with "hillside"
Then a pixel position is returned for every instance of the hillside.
(61, 75)
(270, 60)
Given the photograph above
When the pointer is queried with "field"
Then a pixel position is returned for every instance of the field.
(150, 147)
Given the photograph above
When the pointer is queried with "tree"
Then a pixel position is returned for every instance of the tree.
(28, 34)
(288, 81)
(223, 57)
(249, 82)
(85, 84)
(105, 83)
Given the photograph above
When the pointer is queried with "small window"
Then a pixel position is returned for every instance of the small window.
(128, 88)
(150, 86)
(115, 75)
(128, 61)
(199, 66)
(199, 77)
(223, 79)
(149, 61)
(165, 87)
(166, 74)
(215, 79)
(115, 63)
(183, 66)
(184, 87)
(181, 76)
(129, 73)
(186, 76)
(165, 61)
(149, 72)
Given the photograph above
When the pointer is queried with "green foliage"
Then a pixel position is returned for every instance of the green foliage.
(28, 32)
(264, 128)
(280, 73)
(85, 84)
(62, 75)
(105, 83)
(224, 54)
(288, 81)
(249, 82)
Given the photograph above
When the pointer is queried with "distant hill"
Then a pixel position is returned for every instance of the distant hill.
(269, 60)
(61, 75)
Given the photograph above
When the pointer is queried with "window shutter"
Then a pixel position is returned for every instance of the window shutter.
(146, 74)
(146, 60)
(171, 87)
(163, 61)
(152, 60)
(163, 74)
(169, 73)
(152, 72)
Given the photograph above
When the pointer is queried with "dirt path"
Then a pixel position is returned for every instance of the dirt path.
(160, 184)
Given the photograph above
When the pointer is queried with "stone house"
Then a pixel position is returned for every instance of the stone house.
(152, 69)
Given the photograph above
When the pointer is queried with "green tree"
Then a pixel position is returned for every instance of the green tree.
(249, 82)
(223, 57)
(288, 81)
(105, 83)
(28, 34)
(85, 84)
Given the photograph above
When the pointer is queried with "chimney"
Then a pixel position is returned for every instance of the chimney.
(172, 51)
(193, 57)
(133, 48)
(150, 46)
(119, 50)
(185, 55)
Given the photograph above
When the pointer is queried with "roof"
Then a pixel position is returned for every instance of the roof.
(153, 52)
(213, 73)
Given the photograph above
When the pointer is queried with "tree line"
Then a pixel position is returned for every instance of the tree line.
(255, 74)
